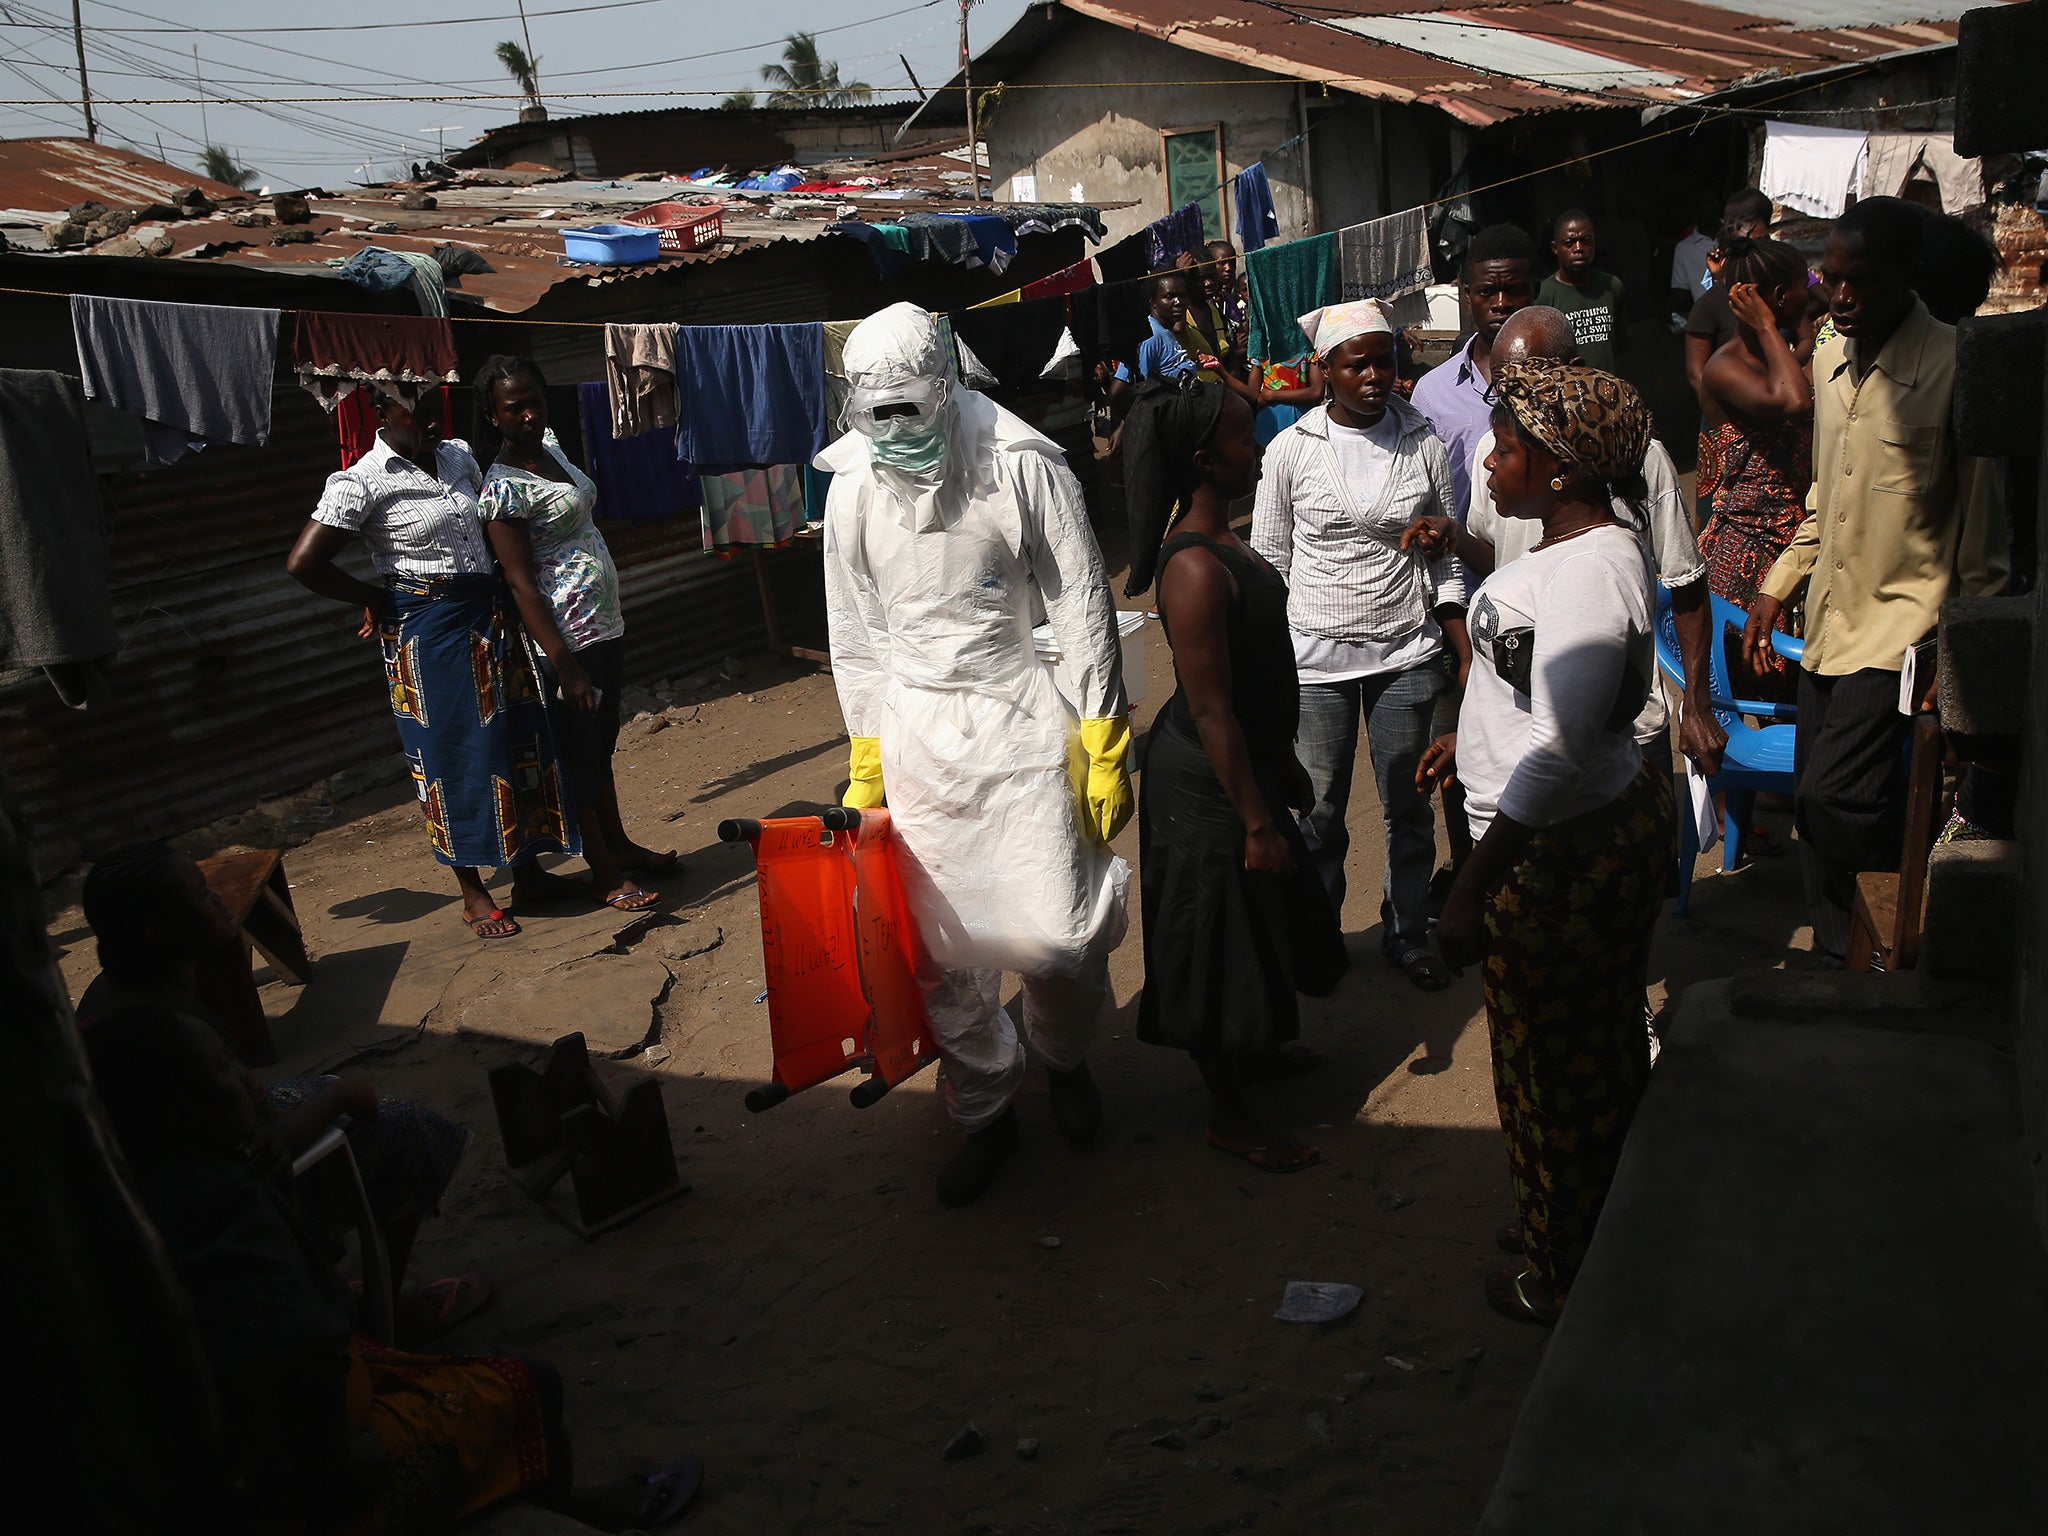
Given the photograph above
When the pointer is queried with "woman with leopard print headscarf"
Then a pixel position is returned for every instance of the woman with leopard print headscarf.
(1560, 895)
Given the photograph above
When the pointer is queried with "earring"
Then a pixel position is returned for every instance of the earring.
(1557, 482)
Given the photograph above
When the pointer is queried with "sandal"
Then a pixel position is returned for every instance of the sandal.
(1504, 1293)
(446, 1303)
(635, 900)
(495, 924)
(669, 1490)
(1281, 1154)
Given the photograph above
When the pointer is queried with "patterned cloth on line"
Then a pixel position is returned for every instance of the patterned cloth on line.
(761, 507)
(1178, 233)
(1569, 946)
(399, 355)
(467, 699)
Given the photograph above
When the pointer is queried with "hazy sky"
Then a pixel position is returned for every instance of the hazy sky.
(135, 50)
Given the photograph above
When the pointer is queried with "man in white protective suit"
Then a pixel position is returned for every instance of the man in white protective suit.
(952, 528)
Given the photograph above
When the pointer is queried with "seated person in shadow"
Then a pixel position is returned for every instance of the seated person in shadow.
(153, 915)
(319, 1431)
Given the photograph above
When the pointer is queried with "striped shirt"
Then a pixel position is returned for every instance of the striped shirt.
(1347, 575)
(414, 523)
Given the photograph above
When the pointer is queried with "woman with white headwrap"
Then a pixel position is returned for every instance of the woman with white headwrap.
(951, 529)
(1372, 622)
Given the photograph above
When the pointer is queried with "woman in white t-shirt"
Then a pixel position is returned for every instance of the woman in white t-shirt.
(1561, 892)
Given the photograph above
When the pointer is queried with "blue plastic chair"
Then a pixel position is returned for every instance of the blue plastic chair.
(1758, 758)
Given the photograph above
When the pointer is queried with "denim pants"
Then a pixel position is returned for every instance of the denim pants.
(1396, 708)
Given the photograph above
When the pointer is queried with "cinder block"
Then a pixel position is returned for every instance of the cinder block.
(1975, 894)
(1999, 361)
(2000, 106)
(1986, 649)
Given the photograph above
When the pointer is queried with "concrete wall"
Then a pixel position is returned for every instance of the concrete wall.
(1107, 141)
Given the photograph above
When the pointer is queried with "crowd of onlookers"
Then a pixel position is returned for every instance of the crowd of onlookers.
(1473, 568)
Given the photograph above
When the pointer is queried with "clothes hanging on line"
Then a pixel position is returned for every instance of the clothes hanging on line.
(1812, 169)
(56, 612)
(1119, 305)
(640, 368)
(752, 507)
(749, 395)
(1286, 282)
(194, 373)
(1893, 159)
(1013, 342)
(1075, 279)
(888, 245)
(1046, 218)
(639, 479)
(1384, 259)
(1178, 233)
(397, 355)
(1257, 222)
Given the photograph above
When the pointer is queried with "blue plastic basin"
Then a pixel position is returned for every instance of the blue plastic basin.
(612, 245)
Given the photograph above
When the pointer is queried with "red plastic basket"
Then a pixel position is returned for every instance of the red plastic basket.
(683, 226)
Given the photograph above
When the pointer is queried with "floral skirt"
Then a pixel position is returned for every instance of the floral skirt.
(1564, 983)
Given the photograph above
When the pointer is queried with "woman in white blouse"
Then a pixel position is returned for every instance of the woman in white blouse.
(463, 687)
(1560, 894)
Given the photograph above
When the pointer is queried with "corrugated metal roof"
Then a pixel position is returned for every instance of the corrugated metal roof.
(1483, 62)
(48, 176)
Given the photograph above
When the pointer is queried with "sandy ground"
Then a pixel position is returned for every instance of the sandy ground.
(816, 1327)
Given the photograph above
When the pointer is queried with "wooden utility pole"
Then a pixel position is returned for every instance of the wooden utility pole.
(532, 62)
(85, 86)
(967, 84)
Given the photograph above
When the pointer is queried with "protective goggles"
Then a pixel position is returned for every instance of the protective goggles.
(891, 410)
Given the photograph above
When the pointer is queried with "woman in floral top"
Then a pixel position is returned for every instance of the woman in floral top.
(536, 509)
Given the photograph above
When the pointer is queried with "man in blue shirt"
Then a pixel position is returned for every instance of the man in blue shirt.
(1500, 278)
(1161, 355)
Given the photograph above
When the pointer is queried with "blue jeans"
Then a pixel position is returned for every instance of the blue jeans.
(1396, 708)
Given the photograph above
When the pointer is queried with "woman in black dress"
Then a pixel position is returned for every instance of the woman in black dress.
(1235, 921)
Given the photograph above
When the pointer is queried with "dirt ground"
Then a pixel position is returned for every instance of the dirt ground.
(814, 1325)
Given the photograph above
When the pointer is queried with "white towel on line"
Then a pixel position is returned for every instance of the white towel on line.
(1811, 169)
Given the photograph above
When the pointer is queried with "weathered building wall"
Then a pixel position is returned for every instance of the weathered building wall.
(1106, 141)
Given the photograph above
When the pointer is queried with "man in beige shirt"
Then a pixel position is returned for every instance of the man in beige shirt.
(1896, 522)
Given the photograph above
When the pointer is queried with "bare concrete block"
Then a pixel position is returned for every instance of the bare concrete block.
(1975, 893)
(1999, 362)
(1986, 644)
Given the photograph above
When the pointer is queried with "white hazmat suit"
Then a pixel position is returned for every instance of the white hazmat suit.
(952, 528)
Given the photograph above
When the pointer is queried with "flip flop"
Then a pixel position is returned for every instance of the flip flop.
(655, 864)
(1282, 1156)
(631, 901)
(454, 1300)
(1505, 1295)
(497, 916)
(669, 1490)
(1424, 969)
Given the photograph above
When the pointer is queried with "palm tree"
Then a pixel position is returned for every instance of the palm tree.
(221, 166)
(738, 101)
(803, 80)
(523, 70)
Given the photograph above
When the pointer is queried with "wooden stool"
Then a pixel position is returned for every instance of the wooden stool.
(252, 886)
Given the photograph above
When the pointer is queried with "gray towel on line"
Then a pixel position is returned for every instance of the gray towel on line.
(194, 373)
(55, 612)
(1385, 259)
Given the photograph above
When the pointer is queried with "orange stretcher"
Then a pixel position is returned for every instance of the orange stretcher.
(842, 954)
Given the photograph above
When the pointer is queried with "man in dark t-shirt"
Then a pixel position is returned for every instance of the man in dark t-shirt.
(1591, 299)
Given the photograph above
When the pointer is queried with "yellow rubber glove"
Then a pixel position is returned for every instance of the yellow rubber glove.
(1106, 793)
(864, 769)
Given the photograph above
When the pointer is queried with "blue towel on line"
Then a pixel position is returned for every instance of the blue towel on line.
(1256, 221)
(639, 479)
(750, 396)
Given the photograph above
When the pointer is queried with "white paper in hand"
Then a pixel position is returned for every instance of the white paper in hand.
(1909, 693)
(1705, 823)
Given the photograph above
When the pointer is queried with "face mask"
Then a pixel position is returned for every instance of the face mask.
(912, 444)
